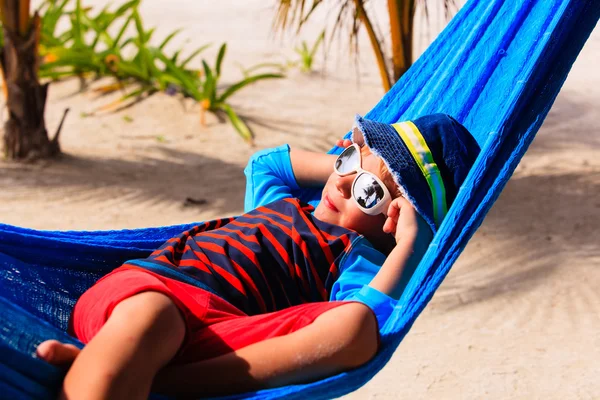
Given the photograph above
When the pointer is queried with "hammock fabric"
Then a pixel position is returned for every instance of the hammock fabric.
(497, 68)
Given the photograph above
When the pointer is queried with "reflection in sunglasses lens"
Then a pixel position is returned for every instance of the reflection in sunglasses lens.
(367, 191)
(348, 161)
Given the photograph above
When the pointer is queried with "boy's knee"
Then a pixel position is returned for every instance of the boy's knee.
(152, 315)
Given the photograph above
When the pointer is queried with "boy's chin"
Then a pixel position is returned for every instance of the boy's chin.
(322, 214)
(319, 212)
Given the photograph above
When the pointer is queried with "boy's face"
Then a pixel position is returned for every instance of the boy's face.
(339, 208)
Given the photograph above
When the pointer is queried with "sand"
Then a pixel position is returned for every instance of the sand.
(519, 314)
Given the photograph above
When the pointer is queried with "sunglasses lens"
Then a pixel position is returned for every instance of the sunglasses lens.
(367, 191)
(348, 161)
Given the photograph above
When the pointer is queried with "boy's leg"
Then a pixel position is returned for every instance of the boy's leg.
(339, 339)
(142, 334)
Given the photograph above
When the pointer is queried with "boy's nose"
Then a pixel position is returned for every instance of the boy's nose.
(344, 185)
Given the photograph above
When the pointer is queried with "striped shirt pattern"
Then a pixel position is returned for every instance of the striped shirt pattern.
(271, 258)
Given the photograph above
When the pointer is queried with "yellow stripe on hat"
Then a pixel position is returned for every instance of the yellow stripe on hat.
(416, 144)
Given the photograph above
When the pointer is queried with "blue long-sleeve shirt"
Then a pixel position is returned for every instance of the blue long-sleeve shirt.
(270, 177)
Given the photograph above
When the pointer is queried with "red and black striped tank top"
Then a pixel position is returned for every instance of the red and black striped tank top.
(271, 258)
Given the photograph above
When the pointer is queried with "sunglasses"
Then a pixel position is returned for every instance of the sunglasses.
(368, 191)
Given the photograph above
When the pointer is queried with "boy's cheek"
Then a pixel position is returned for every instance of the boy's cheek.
(358, 221)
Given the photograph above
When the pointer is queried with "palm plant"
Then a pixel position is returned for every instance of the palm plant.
(86, 49)
(150, 70)
(212, 100)
(353, 14)
(307, 55)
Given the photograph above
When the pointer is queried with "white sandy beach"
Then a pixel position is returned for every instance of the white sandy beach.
(519, 314)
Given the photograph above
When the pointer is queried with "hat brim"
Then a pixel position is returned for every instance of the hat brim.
(384, 142)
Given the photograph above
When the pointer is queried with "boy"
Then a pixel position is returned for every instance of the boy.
(241, 304)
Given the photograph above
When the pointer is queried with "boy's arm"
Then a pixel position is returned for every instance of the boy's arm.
(269, 177)
(311, 168)
(338, 340)
(379, 281)
(272, 174)
(413, 236)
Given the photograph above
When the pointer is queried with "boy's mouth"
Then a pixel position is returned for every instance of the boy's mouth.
(329, 204)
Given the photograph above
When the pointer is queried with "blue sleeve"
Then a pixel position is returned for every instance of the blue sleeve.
(357, 270)
(269, 177)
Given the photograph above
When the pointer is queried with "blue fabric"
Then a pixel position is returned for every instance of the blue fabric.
(269, 177)
(496, 68)
(453, 148)
(357, 269)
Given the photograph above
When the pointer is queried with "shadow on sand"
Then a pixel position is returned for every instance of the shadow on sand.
(170, 177)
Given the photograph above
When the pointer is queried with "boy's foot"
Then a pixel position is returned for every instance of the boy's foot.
(57, 353)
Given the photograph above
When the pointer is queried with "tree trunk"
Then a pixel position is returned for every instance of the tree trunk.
(402, 14)
(25, 135)
(375, 45)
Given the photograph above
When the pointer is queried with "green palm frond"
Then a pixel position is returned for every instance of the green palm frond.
(193, 55)
(239, 125)
(87, 48)
(245, 82)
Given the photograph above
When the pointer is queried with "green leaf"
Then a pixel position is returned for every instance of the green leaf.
(121, 32)
(176, 55)
(210, 84)
(220, 58)
(168, 38)
(51, 16)
(65, 37)
(148, 35)
(277, 66)
(105, 19)
(130, 70)
(77, 24)
(136, 93)
(166, 78)
(191, 56)
(239, 125)
(128, 41)
(103, 16)
(182, 78)
(144, 58)
(82, 59)
(234, 88)
(126, 7)
(102, 35)
(149, 90)
(139, 26)
(316, 44)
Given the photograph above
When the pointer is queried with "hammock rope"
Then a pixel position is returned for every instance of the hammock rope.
(497, 68)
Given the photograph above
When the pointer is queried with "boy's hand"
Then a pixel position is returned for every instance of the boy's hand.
(343, 143)
(402, 220)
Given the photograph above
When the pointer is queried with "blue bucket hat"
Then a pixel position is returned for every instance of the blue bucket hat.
(429, 158)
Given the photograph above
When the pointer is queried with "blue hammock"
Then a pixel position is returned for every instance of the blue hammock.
(497, 68)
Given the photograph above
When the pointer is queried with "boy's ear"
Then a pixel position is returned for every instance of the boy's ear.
(357, 136)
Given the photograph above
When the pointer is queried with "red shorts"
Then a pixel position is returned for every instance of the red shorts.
(213, 326)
